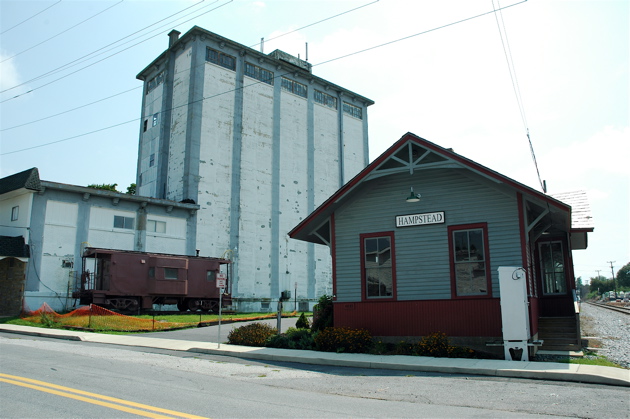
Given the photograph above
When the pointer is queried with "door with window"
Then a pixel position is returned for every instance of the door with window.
(556, 297)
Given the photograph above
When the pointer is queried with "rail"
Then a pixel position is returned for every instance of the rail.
(625, 310)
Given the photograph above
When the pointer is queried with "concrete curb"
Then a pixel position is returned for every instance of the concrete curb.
(509, 369)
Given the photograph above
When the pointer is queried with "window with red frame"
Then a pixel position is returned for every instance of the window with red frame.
(378, 272)
(469, 260)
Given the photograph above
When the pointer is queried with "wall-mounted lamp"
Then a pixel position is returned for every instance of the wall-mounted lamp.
(413, 197)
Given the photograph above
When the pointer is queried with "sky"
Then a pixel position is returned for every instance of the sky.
(452, 72)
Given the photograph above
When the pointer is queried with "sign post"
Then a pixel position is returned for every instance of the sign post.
(221, 285)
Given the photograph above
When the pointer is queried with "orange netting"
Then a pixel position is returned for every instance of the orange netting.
(93, 317)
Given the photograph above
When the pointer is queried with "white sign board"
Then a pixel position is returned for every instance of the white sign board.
(221, 280)
(420, 219)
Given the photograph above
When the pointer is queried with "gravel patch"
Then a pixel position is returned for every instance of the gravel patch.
(611, 329)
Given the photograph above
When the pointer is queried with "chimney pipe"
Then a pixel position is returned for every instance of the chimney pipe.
(173, 36)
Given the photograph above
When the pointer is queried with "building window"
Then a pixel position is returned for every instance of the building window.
(221, 59)
(552, 268)
(155, 119)
(152, 160)
(15, 213)
(145, 125)
(155, 82)
(123, 222)
(352, 110)
(170, 273)
(258, 73)
(469, 260)
(325, 99)
(377, 250)
(156, 226)
(294, 87)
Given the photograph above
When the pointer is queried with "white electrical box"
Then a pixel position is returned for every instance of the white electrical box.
(514, 312)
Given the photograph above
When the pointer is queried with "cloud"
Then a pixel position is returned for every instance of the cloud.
(9, 75)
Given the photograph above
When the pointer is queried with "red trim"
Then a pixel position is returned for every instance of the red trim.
(486, 246)
(333, 253)
(433, 147)
(464, 317)
(362, 238)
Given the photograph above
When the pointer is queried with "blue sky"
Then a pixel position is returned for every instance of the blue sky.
(451, 86)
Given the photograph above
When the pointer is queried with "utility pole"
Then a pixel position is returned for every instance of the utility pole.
(613, 276)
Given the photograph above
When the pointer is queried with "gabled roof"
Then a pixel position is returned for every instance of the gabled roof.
(411, 153)
(28, 179)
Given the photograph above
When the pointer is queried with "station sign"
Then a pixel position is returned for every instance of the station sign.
(420, 219)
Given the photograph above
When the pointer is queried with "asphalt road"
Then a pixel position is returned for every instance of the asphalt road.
(216, 386)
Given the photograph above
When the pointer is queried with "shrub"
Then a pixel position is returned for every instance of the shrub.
(323, 313)
(435, 344)
(342, 339)
(254, 334)
(302, 322)
(404, 348)
(292, 339)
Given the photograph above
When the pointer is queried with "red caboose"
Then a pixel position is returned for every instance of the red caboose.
(127, 280)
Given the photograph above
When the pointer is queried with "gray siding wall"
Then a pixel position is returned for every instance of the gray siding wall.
(421, 252)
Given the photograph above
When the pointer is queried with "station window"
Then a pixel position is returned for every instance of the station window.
(377, 250)
(325, 99)
(123, 222)
(221, 58)
(352, 110)
(470, 272)
(258, 73)
(154, 226)
(294, 87)
(552, 267)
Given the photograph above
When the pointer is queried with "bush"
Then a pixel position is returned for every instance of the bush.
(342, 339)
(302, 322)
(255, 334)
(293, 339)
(437, 345)
(323, 313)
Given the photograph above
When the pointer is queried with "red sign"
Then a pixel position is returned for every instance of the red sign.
(221, 280)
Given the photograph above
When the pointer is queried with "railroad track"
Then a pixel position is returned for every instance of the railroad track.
(625, 310)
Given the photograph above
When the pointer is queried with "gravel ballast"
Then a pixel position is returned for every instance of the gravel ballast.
(611, 328)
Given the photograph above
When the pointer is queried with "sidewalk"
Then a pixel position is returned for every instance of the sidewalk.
(499, 368)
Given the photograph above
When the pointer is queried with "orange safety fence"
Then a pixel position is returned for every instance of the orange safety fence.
(94, 317)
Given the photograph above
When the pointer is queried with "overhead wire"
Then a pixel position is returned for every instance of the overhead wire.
(515, 86)
(27, 19)
(85, 57)
(61, 33)
(275, 77)
(103, 59)
(109, 97)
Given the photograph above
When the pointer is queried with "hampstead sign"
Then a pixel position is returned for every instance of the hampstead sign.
(420, 219)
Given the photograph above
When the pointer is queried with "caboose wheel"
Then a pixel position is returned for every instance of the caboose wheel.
(182, 306)
(192, 305)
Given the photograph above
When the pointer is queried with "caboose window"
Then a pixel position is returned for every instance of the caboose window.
(170, 273)
(211, 275)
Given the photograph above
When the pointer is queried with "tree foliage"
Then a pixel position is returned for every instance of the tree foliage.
(623, 276)
(104, 186)
(131, 189)
(600, 284)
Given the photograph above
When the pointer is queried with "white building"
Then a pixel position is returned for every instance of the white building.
(57, 221)
(258, 142)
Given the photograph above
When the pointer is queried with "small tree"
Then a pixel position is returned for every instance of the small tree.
(323, 313)
(131, 189)
(623, 276)
(302, 322)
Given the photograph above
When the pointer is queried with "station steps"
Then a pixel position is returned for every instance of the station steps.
(559, 334)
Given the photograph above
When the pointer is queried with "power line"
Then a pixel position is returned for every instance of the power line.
(259, 82)
(517, 91)
(70, 110)
(26, 20)
(103, 59)
(79, 107)
(84, 57)
(62, 32)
